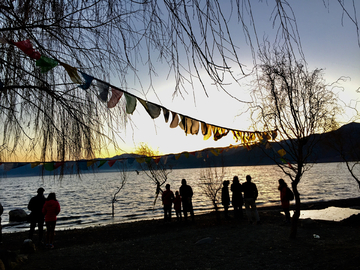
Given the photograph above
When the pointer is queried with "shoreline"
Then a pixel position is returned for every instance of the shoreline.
(208, 243)
(353, 203)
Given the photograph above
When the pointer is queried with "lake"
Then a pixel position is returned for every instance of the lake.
(86, 201)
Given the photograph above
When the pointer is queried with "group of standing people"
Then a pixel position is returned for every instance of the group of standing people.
(183, 198)
(43, 210)
(250, 195)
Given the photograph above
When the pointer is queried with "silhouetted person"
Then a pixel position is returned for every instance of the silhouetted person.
(1, 212)
(167, 199)
(237, 198)
(51, 209)
(285, 203)
(186, 194)
(177, 206)
(225, 197)
(250, 196)
(36, 216)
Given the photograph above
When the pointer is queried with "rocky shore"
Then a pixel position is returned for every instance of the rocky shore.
(208, 243)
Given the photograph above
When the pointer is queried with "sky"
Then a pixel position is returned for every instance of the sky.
(329, 41)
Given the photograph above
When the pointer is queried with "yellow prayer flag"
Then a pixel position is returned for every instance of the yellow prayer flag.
(281, 152)
(74, 76)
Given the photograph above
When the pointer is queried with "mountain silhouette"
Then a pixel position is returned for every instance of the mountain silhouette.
(330, 148)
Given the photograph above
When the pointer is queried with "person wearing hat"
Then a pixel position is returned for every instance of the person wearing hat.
(36, 216)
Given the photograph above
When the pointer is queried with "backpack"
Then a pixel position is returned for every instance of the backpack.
(289, 194)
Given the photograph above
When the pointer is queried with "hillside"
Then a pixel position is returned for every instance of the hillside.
(327, 150)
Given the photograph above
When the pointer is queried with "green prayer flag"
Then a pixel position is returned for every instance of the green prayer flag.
(46, 63)
(49, 166)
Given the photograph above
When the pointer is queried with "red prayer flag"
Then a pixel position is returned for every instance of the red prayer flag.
(27, 48)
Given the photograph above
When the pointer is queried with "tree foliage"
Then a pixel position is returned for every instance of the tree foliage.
(154, 167)
(115, 40)
(298, 104)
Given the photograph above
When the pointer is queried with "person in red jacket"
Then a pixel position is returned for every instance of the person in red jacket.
(167, 199)
(50, 210)
(285, 203)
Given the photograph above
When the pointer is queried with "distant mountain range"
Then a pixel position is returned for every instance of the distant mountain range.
(348, 137)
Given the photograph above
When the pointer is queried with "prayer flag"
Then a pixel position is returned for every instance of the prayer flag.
(58, 164)
(195, 127)
(281, 152)
(152, 109)
(208, 132)
(102, 162)
(49, 166)
(90, 162)
(34, 164)
(115, 97)
(112, 162)
(103, 91)
(166, 114)
(27, 48)
(88, 80)
(46, 63)
(74, 76)
(130, 103)
(175, 120)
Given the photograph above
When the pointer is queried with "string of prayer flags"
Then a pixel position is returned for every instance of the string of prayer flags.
(88, 80)
(188, 124)
(130, 103)
(74, 76)
(115, 97)
(46, 63)
(13, 165)
(103, 90)
(28, 49)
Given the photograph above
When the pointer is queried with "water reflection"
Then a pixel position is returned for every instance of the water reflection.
(330, 213)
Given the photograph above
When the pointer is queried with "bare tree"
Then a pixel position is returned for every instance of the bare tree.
(298, 104)
(346, 143)
(211, 180)
(154, 166)
(123, 178)
(44, 110)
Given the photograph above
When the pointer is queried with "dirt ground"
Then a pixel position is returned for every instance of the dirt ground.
(208, 243)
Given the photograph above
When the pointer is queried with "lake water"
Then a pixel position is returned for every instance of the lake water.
(86, 201)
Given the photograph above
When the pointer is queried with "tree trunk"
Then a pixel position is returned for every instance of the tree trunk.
(296, 216)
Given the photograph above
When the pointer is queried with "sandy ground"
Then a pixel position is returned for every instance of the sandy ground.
(208, 243)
